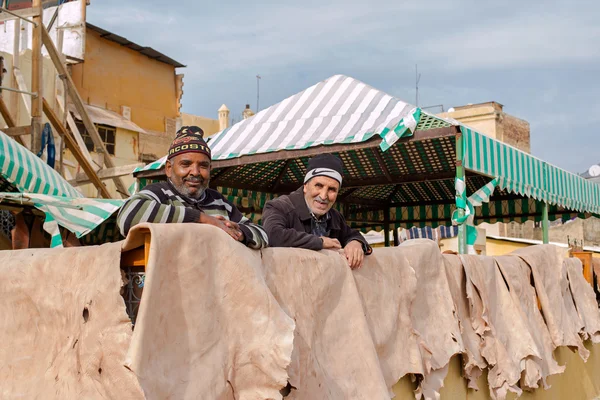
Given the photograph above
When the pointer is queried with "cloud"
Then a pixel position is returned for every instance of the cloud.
(131, 16)
(540, 61)
(531, 40)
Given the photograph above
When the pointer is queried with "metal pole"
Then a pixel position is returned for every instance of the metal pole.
(8, 89)
(545, 225)
(257, 92)
(386, 226)
(460, 174)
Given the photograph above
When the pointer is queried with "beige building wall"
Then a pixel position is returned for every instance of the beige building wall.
(126, 153)
(113, 76)
(490, 119)
(154, 145)
(581, 230)
(208, 125)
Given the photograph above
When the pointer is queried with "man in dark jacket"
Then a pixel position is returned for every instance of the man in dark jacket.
(305, 218)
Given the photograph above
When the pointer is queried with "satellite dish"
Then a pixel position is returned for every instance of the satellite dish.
(594, 170)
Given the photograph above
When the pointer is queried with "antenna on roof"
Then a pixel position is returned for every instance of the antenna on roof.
(417, 79)
(257, 92)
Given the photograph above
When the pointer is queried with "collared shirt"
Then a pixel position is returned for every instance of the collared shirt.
(319, 224)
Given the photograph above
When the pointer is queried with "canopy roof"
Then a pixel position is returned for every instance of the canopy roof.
(43, 188)
(396, 158)
(106, 117)
(22, 170)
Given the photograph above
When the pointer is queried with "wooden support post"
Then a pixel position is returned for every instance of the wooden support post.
(107, 173)
(10, 122)
(396, 237)
(36, 77)
(77, 153)
(281, 175)
(386, 226)
(61, 91)
(78, 103)
(70, 123)
(15, 64)
(545, 224)
(17, 130)
(381, 163)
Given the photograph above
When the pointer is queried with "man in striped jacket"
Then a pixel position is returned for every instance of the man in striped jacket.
(185, 196)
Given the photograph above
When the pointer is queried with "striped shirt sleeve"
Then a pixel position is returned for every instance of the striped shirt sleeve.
(145, 206)
(255, 236)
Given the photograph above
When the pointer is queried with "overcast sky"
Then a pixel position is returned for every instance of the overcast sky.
(540, 59)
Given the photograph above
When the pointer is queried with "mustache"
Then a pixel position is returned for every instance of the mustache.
(194, 179)
(320, 200)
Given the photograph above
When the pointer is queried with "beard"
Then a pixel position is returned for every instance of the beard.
(189, 192)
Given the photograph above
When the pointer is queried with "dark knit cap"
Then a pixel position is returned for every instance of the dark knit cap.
(189, 139)
(325, 165)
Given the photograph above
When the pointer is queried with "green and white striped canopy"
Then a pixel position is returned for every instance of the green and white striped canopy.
(527, 175)
(153, 166)
(342, 110)
(339, 109)
(79, 215)
(44, 188)
(28, 173)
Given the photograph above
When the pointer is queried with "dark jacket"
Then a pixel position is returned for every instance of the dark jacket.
(287, 221)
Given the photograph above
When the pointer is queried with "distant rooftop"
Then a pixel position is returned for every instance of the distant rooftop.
(487, 103)
(147, 51)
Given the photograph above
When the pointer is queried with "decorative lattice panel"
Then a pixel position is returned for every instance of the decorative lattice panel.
(431, 122)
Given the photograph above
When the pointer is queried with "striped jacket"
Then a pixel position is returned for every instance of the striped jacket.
(162, 203)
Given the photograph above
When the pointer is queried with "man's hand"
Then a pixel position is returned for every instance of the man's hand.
(232, 225)
(219, 222)
(354, 254)
(329, 243)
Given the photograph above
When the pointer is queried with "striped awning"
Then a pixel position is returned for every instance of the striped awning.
(526, 175)
(79, 215)
(339, 109)
(153, 166)
(28, 173)
(517, 210)
(416, 170)
(42, 187)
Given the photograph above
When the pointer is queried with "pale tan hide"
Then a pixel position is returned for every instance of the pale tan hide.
(432, 314)
(64, 332)
(208, 327)
(474, 363)
(220, 321)
(518, 277)
(506, 339)
(552, 288)
(585, 300)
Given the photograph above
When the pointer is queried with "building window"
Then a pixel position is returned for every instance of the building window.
(107, 135)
